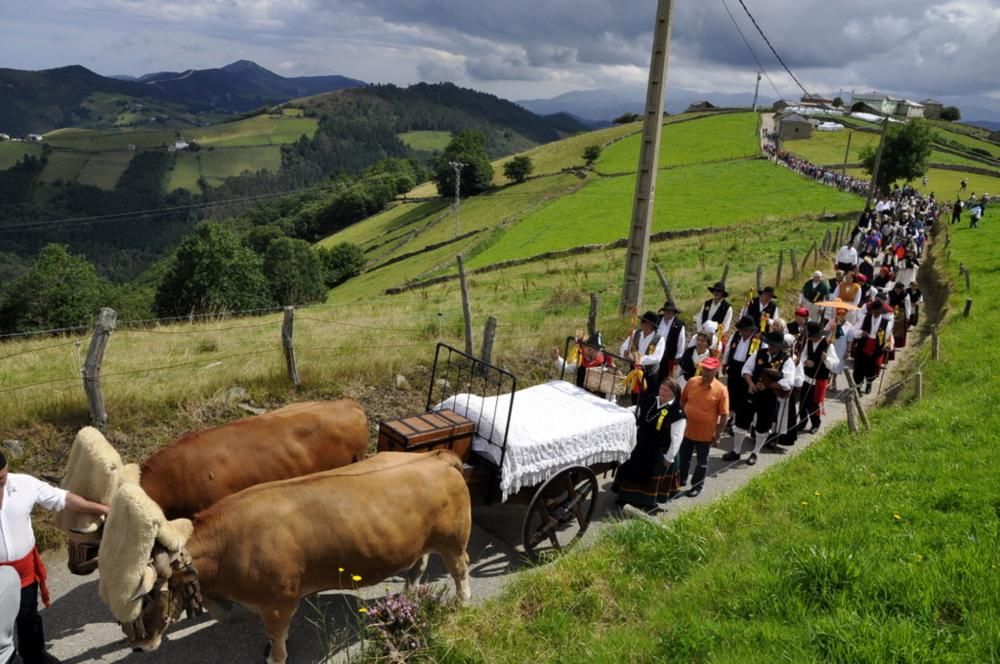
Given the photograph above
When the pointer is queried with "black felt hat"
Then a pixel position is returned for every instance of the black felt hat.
(814, 329)
(651, 318)
(670, 306)
(717, 287)
(767, 289)
(746, 323)
(775, 339)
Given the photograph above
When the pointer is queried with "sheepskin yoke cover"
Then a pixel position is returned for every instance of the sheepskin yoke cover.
(94, 471)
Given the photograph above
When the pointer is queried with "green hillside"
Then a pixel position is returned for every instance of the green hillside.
(12, 151)
(567, 210)
(218, 164)
(427, 141)
(258, 130)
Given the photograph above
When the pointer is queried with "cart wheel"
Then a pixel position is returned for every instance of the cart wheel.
(560, 511)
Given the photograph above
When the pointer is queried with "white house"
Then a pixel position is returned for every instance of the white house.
(909, 109)
(932, 108)
(4, 137)
(879, 102)
(180, 145)
(35, 138)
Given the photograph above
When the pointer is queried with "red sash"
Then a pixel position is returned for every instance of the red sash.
(32, 569)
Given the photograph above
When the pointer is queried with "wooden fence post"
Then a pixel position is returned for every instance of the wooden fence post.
(287, 328)
(852, 415)
(489, 333)
(103, 327)
(918, 387)
(663, 280)
(466, 306)
(760, 278)
(968, 308)
(725, 274)
(814, 252)
(856, 396)
(781, 261)
(794, 262)
(592, 315)
(935, 344)
(968, 282)
(827, 239)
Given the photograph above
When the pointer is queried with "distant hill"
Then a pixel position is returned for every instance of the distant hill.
(39, 101)
(984, 124)
(602, 105)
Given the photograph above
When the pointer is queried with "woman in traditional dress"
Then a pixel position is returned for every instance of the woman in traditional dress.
(649, 478)
(848, 291)
(839, 332)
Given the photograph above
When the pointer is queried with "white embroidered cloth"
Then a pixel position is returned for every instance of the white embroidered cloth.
(553, 426)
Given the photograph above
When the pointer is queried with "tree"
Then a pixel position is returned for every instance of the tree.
(260, 237)
(213, 272)
(469, 148)
(625, 118)
(341, 262)
(58, 290)
(591, 153)
(838, 102)
(294, 272)
(905, 155)
(518, 169)
(951, 114)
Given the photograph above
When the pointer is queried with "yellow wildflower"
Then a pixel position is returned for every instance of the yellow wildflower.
(340, 569)
(362, 610)
(803, 503)
(897, 517)
(816, 493)
(355, 577)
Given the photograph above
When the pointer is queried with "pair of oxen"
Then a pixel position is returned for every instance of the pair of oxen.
(258, 514)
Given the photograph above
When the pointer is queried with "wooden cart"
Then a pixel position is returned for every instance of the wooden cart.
(559, 509)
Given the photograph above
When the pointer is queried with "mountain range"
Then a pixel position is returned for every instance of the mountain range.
(39, 101)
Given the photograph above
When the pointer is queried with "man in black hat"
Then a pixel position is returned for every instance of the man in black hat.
(646, 346)
(769, 374)
(763, 309)
(872, 338)
(672, 330)
(816, 375)
(738, 349)
(716, 309)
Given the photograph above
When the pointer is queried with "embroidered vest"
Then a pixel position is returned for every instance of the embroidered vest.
(866, 327)
(650, 347)
(737, 340)
(720, 313)
(673, 338)
(814, 352)
(757, 312)
(767, 361)
(659, 419)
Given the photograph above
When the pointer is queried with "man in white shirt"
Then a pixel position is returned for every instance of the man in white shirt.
(847, 258)
(18, 496)
(769, 375)
(672, 329)
(646, 346)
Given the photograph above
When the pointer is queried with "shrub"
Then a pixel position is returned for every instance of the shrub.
(518, 169)
(591, 153)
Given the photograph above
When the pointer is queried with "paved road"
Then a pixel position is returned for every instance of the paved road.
(80, 628)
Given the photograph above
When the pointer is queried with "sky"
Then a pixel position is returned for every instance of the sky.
(527, 48)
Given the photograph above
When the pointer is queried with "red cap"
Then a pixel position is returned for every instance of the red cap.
(802, 311)
(710, 363)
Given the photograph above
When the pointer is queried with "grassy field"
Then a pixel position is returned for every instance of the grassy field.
(875, 547)
(255, 131)
(969, 142)
(714, 138)
(105, 168)
(827, 147)
(11, 152)
(65, 166)
(217, 165)
(94, 140)
(426, 140)
(690, 197)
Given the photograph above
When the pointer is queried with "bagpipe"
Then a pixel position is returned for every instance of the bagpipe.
(770, 379)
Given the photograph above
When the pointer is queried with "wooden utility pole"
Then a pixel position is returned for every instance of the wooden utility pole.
(103, 327)
(649, 158)
(878, 164)
(847, 152)
(756, 89)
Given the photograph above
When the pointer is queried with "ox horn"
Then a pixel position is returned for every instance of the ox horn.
(145, 584)
(91, 529)
(161, 563)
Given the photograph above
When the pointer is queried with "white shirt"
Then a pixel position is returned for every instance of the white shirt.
(647, 360)
(742, 348)
(664, 328)
(712, 308)
(21, 495)
(847, 254)
(10, 602)
(858, 333)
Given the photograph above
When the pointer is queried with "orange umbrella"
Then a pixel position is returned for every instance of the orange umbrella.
(838, 304)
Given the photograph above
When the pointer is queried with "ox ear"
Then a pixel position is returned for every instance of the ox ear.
(174, 534)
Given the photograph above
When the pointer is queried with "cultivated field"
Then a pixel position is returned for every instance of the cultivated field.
(428, 141)
(13, 151)
(255, 131)
(217, 165)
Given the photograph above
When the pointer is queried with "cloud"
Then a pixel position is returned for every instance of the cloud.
(918, 47)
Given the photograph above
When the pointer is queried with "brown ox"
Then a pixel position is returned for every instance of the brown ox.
(202, 467)
(267, 547)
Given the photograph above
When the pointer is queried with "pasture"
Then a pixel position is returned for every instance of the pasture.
(255, 131)
(428, 141)
(105, 168)
(946, 184)
(12, 152)
(218, 164)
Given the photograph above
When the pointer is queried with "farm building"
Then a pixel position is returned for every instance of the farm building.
(4, 137)
(932, 108)
(906, 108)
(881, 104)
(180, 145)
(700, 106)
(815, 100)
(792, 126)
(34, 138)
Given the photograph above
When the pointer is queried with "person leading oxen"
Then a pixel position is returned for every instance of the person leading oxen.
(19, 494)
(769, 374)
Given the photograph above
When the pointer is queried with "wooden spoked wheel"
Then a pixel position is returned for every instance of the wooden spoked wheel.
(560, 511)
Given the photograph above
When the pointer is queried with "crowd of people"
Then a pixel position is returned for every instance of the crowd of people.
(763, 379)
(829, 177)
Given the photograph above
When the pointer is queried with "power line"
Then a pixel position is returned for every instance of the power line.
(773, 50)
(752, 52)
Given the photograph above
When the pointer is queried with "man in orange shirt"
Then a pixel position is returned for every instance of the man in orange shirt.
(706, 406)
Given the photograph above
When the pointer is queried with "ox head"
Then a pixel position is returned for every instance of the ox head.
(94, 471)
(147, 579)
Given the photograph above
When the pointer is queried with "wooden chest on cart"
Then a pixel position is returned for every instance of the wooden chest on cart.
(443, 429)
